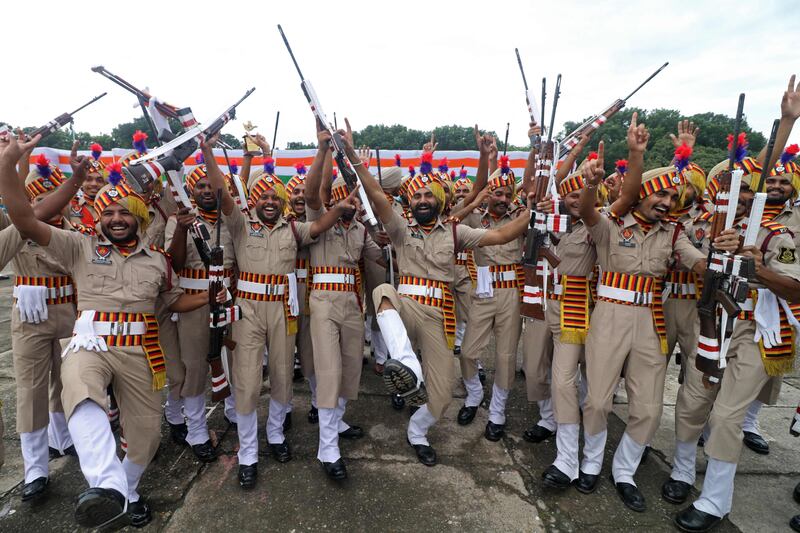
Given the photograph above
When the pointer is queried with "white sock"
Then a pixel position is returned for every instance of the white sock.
(626, 459)
(751, 417)
(173, 410)
(133, 474)
(196, 424)
(717, 494)
(593, 448)
(419, 424)
(684, 461)
(474, 391)
(96, 448)
(58, 432)
(706, 432)
(277, 414)
(547, 417)
(461, 328)
(35, 454)
(567, 438)
(328, 435)
(396, 337)
(247, 428)
(497, 407)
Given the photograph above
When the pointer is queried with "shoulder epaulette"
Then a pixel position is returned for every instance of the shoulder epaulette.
(160, 250)
(83, 229)
(704, 217)
(775, 227)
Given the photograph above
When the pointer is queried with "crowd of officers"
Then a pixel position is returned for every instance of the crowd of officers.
(111, 305)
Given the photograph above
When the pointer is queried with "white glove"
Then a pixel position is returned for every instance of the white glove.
(32, 303)
(83, 335)
(294, 304)
(768, 320)
(483, 288)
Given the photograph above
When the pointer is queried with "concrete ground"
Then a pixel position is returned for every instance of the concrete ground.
(477, 485)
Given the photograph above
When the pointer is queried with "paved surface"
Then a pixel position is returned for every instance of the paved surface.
(478, 485)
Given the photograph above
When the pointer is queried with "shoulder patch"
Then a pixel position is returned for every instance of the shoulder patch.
(787, 255)
(83, 229)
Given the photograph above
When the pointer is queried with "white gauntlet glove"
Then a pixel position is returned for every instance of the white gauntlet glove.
(483, 287)
(768, 320)
(83, 336)
(32, 303)
(294, 304)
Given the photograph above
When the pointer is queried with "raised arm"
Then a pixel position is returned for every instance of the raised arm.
(329, 217)
(54, 203)
(466, 209)
(13, 193)
(593, 174)
(564, 169)
(314, 176)
(638, 136)
(215, 175)
(24, 165)
(177, 241)
(510, 231)
(790, 112)
(380, 204)
(485, 147)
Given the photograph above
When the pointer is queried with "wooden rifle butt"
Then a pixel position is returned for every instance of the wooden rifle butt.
(221, 389)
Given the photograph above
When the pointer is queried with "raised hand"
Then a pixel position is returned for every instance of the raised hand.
(534, 130)
(484, 143)
(638, 136)
(431, 145)
(790, 103)
(79, 163)
(593, 171)
(493, 148)
(365, 155)
(687, 133)
(11, 149)
(348, 133)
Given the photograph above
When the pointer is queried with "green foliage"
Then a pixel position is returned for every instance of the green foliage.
(298, 145)
(710, 148)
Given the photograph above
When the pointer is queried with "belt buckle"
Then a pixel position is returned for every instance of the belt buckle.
(114, 327)
(430, 291)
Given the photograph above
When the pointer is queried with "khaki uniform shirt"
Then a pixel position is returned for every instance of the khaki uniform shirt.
(509, 253)
(340, 246)
(790, 217)
(108, 281)
(192, 256)
(260, 250)
(624, 247)
(576, 251)
(430, 255)
(155, 230)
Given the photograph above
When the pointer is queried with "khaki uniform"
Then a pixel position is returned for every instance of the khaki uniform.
(429, 256)
(193, 331)
(633, 343)
(578, 257)
(498, 314)
(305, 349)
(261, 251)
(113, 284)
(337, 320)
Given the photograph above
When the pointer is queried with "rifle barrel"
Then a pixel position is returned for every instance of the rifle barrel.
(522, 71)
(90, 102)
(766, 166)
(275, 133)
(505, 143)
(653, 75)
(378, 157)
(737, 126)
(289, 48)
(555, 106)
(544, 97)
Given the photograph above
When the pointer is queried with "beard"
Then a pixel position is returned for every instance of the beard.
(129, 236)
(426, 216)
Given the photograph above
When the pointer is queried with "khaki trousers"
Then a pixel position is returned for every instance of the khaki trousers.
(694, 402)
(566, 358)
(168, 339)
(624, 337)
(537, 355)
(741, 383)
(87, 375)
(337, 334)
(262, 322)
(193, 339)
(499, 315)
(36, 353)
(771, 390)
(425, 327)
(462, 291)
(305, 349)
(683, 326)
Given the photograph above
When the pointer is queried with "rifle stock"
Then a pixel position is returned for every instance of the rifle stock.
(220, 389)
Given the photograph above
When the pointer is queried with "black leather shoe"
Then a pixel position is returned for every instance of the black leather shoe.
(55, 454)
(139, 513)
(466, 415)
(701, 442)
(694, 520)
(178, 433)
(555, 478)
(313, 415)
(280, 452)
(494, 432)
(400, 379)
(298, 372)
(97, 507)
(425, 454)
(482, 375)
(631, 496)
(336, 470)
(287, 422)
(352, 433)
(248, 475)
(398, 402)
(675, 491)
(794, 523)
(34, 490)
(456, 350)
(537, 434)
(205, 452)
(796, 493)
(587, 483)
(645, 455)
(756, 442)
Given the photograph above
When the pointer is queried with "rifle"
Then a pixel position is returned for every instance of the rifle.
(531, 101)
(596, 121)
(387, 250)
(725, 285)
(505, 142)
(275, 133)
(538, 256)
(240, 198)
(767, 167)
(346, 169)
(61, 120)
(220, 316)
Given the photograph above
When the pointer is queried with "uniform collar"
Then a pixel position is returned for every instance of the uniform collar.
(439, 224)
(629, 220)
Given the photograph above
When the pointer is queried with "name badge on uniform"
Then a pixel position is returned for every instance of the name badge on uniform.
(627, 238)
(417, 234)
(255, 230)
(102, 254)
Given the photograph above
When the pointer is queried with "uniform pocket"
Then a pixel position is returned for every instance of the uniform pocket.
(256, 251)
(147, 283)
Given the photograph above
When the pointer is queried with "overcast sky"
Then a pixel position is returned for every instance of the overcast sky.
(421, 64)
